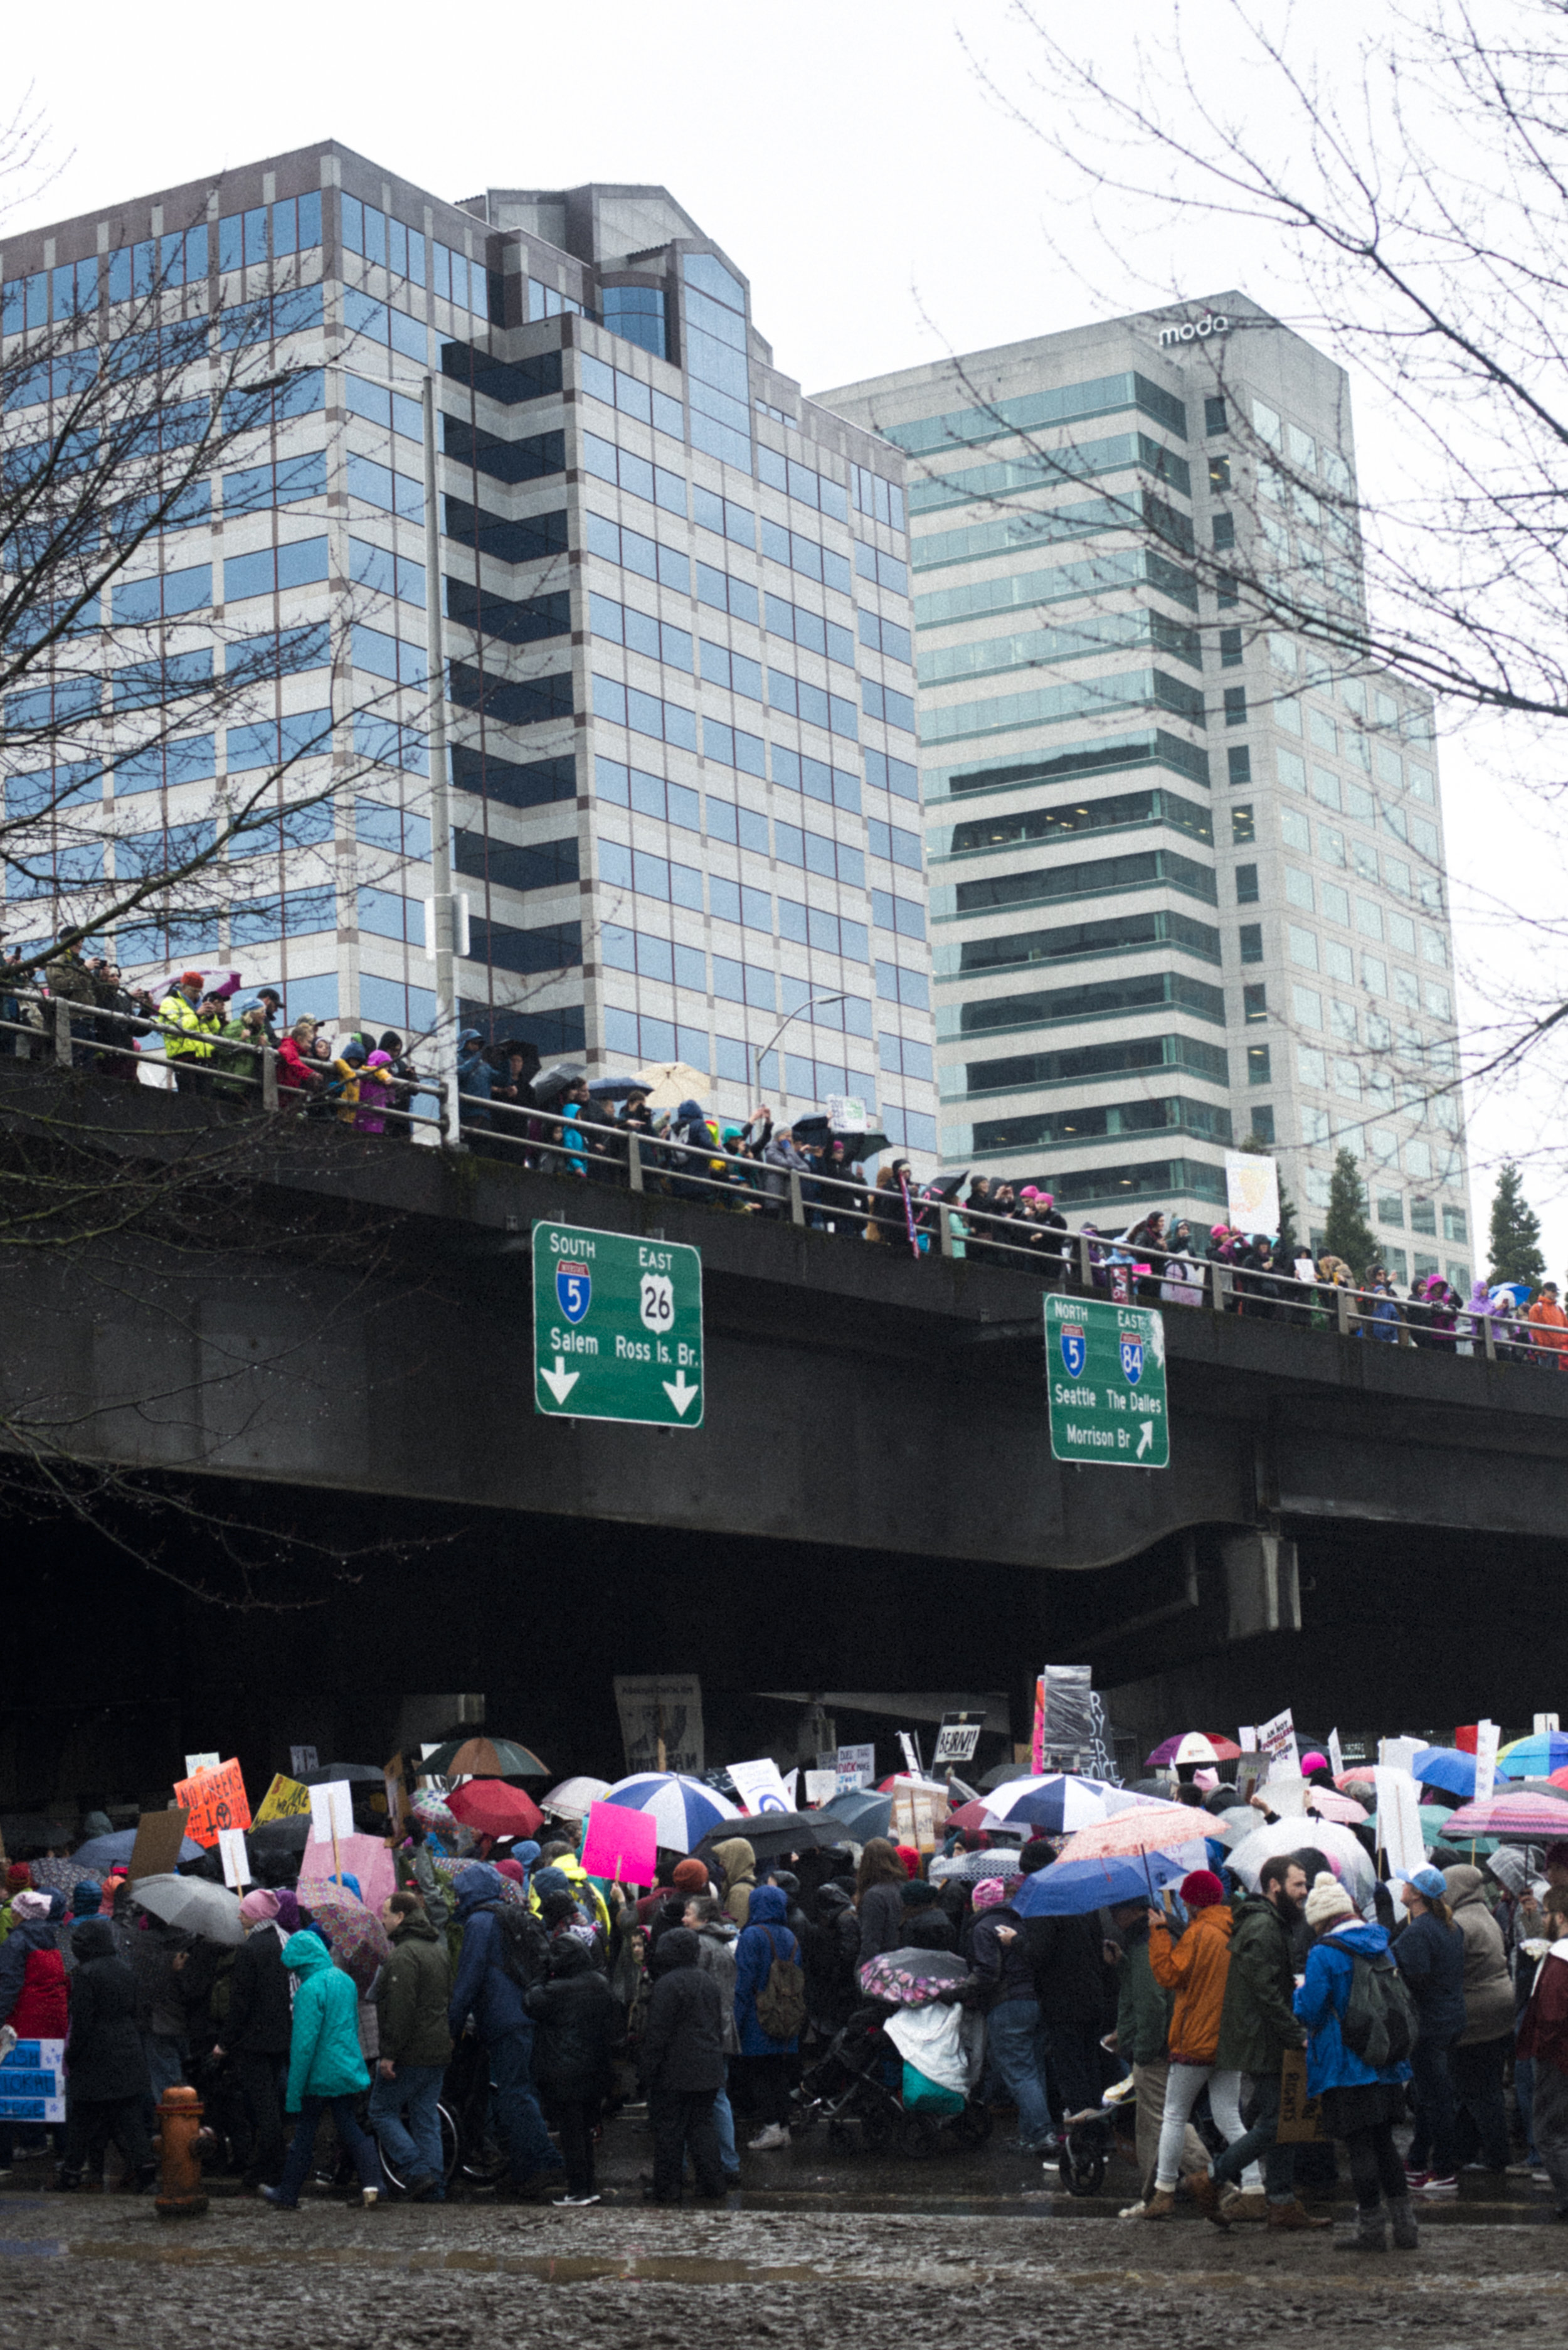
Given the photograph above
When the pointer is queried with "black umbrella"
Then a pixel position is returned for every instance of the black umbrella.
(281, 1835)
(1000, 1772)
(550, 1082)
(814, 1128)
(770, 1833)
(355, 1771)
(947, 1186)
(616, 1088)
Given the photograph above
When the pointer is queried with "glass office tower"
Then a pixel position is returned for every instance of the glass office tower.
(1186, 875)
(677, 618)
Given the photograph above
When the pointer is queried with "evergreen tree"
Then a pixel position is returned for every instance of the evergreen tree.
(1515, 1244)
(1348, 1234)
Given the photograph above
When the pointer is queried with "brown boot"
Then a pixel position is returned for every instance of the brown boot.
(1295, 2215)
(1160, 2205)
(1206, 2195)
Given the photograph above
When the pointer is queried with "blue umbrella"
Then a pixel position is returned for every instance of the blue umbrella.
(102, 1852)
(1053, 1804)
(864, 1811)
(1072, 1887)
(1535, 1757)
(1445, 1767)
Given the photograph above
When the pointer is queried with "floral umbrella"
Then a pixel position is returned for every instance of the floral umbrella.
(912, 1978)
(355, 1935)
(1150, 1827)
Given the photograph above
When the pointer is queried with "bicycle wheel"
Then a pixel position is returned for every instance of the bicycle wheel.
(448, 2155)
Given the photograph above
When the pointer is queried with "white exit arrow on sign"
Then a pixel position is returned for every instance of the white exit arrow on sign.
(560, 1381)
(677, 1391)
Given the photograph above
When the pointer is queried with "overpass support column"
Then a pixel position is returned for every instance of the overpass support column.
(1263, 1587)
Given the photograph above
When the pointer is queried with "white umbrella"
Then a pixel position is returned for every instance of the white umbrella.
(194, 1905)
(671, 1083)
(684, 1809)
(1343, 1853)
(574, 1798)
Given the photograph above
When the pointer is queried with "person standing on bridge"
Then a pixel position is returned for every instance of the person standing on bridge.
(1549, 1325)
(192, 1023)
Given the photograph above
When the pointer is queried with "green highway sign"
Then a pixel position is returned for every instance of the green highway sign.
(1105, 1371)
(618, 1327)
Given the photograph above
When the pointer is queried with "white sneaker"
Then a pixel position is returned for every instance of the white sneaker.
(369, 2197)
(767, 2140)
(573, 2203)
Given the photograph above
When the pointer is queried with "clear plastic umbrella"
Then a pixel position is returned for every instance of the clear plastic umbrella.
(1343, 1853)
(193, 1904)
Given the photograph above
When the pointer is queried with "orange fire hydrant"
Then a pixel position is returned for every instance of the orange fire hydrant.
(179, 2195)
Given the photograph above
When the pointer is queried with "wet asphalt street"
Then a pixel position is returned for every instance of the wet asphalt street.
(818, 2248)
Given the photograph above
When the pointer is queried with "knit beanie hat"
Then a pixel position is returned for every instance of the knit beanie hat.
(1202, 1890)
(988, 1894)
(259, 1906)
(690, 1876)
(86, 1894)
(1327, 1901)
(29, 1908)
(19, 1877)
(909, 1857)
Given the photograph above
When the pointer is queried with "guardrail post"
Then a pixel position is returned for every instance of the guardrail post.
(634, 1161)
(1224, 1281)
(1404, 1338)
(945, 1228)
(1342, 1310)
(796, 1204)
(269, 1079)
(1085, 1268)
(62, 1006)
(1489, 1338)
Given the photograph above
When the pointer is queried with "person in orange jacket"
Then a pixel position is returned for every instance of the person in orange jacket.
(1550, 1325)
(1195, 1968)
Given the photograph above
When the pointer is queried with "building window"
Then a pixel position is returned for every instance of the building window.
(1251, 936)
(1423, 1217)
(1238, 759)
(1263, 1123)
(1229, 647)
(1235, 706)
(1226, 589)
(1214, 417)
(1246, 885)
(1391, 1208)
(1224, 530)
(1218, 473)
(1255, 1002)
(1242, 828)
(1455, 1227)
(1257, 1071)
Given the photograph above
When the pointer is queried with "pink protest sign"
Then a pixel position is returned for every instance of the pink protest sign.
(620, 1844)
(365, 1857)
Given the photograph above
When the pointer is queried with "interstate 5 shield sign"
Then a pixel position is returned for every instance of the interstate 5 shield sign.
(1104, 1376)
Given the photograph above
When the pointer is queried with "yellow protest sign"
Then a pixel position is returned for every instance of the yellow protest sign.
(286, 1799)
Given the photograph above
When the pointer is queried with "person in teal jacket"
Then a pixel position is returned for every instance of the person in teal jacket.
(325, 2068)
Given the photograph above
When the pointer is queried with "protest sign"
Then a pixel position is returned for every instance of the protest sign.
(1301, 2116)
(957, 1738)
(286, 1799)
(194, 1763)
(1400, 1843)
(1336, 1754)
(1286, 1790)
(821, 1787)
(621, 1845)
(1545, 1722)
(159, 1836)
(216, 1800)
(364, 1857)
(236, 1858)
(1399, 1753)
(331, 1811)
(661, 1722)
(1246, 1738)
(1278, 1739)
(910, 1748)
(846, 1113)
(925, 1809)
(302, 1759)
(397, 1793)
(902, 1824)
(759, 1786)
(33, 2082)
(1252, 1192)
(856, 1766)
(1487, 1736)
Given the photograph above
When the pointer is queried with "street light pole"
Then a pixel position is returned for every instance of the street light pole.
(442, 944)
(763, 1050)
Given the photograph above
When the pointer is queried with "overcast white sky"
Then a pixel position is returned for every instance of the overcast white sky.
(846, 155)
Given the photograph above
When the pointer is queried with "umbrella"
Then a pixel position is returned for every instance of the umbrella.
(814, 1128)
(100, 1852)
(684, 1809)
(614, 1088)
(1054, 1804)
(193, 1904)
(1000, 1773)
(1345, 1853)
(1535, 1757)
(1073, 1888)
(281, 1835)
(948, 1187)
(493, 1808)
(912, 1978)
(1150, 1827)
(1516, 1818)
(976, 1816)
(355, 1936)
(1327, 1805)
(58, 1876)
(1230, 1827)
(1360, 1777)
(1445, 1767)
(999, 1860)
(863, 1812)
(911, 1779)
(361, 1773)
(1557, 1778)
(547, 1083)
(771, 1832)
(669, 1083)
(1203, 1746)
(483, 1757)
(574, 1799)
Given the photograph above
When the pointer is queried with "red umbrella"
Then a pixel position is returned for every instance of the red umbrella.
(493, 1809)
(972, 1815)
(1224, 1750)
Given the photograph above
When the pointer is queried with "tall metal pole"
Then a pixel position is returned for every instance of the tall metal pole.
(763, 1050)
(443, 945)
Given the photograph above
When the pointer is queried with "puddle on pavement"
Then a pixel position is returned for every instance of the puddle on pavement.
(30, 2248)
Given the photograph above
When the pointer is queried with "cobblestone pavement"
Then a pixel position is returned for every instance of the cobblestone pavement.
(841, 2252)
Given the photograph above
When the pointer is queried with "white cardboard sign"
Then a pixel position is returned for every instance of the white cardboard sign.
(760, 1787)
(331, 1811)
(236, 1861)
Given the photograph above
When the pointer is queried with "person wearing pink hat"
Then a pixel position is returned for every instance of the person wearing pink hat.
(257, 2031)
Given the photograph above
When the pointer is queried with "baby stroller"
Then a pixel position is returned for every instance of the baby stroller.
(1089, 2136)
(866, 2077)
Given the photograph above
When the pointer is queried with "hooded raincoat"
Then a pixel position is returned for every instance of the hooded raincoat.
(324, 2059)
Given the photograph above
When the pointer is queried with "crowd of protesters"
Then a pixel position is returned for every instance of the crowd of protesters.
(503, 1981)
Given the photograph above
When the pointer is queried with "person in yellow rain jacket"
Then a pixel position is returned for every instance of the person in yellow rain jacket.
(192, 1023)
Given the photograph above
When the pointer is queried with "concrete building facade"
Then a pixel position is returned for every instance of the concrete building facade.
(676, 601)
(1187, 868)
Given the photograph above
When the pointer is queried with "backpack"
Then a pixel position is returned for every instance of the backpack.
(525, 1946)
(780, 2002)
(1379, 2024)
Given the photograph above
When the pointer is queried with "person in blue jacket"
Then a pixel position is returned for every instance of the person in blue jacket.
(325, 2068)
(1359, 2106)
(765, 1939)
(486, 1990)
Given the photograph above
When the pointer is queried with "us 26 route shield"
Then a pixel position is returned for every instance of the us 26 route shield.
(618, 1327)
